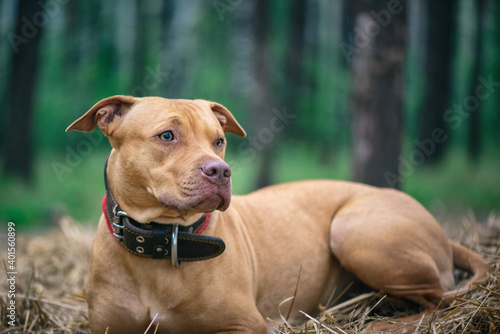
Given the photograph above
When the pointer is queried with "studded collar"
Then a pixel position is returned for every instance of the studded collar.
(157, 240)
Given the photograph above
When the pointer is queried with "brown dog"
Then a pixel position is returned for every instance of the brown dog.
(170, 246)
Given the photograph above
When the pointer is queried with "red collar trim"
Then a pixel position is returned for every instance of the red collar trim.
(110, 228)
(108, 223)
(205, 224)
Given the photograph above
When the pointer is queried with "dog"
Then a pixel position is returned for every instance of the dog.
(174, 247)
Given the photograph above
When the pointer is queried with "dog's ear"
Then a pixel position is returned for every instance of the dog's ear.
(107, 114)
(227, 120)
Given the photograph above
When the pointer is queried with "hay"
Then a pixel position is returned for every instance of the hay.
(52, 268)
(51, 271)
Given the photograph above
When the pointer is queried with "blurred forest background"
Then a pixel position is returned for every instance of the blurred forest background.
(401, 94)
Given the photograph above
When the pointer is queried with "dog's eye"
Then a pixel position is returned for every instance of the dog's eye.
(219, 142)
(167, 136)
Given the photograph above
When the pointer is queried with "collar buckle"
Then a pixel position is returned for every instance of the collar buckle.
(118, 223)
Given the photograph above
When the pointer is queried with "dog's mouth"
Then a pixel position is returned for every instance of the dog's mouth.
(212, 203)
(204, 199)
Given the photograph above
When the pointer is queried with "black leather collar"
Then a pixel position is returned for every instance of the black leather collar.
(160, 241)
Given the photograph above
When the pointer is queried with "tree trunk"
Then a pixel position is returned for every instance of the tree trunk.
(72, 37)
(261, 100)
(166, 18)
(6, 24)
(295, 55)
(346, 29)
(495, 18)
(242, 45)
(377, 91)
(331, 99)
(179, 49)
(438, 65)
(474, 140)
(18, 149)
(108, 53)
(139, 55)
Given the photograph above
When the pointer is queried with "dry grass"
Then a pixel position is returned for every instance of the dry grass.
(51, 273)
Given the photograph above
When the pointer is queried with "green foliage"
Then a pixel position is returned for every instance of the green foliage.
(78, 192)
(457, 184)
(315, 145)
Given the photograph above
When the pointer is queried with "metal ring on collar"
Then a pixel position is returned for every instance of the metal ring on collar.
(173, 248)
(122, 214)
(119, 213)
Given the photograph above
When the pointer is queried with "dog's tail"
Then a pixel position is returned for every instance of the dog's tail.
(468, 260)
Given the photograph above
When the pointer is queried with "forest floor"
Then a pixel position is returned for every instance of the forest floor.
(51, 270)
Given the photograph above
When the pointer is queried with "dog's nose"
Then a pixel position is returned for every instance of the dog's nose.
(217, 171)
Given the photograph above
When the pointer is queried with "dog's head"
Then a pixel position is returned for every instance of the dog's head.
(167, 161)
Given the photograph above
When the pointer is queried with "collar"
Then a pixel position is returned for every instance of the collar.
(156, 240)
